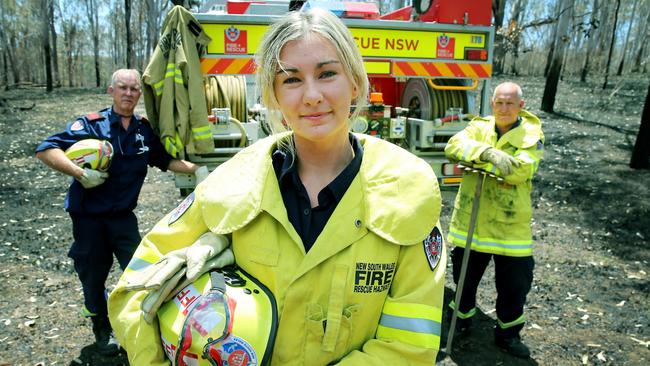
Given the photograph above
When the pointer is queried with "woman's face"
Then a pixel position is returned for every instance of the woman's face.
(313, 91)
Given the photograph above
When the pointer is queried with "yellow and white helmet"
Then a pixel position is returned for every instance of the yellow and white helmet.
(91, 153)
(225, 318)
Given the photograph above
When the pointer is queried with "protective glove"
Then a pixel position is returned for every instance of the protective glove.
(223, 259)
(92, 178)
(502, 160)
(158, 274)
(157, 297)
(167, 277)
(201, 173)
(209, 251)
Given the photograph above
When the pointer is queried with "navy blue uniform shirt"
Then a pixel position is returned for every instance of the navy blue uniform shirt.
(309, 222)
(133, 150)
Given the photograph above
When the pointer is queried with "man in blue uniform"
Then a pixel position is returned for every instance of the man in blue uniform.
(101, 203)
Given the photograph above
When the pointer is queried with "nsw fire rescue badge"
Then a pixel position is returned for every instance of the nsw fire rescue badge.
(433, 247)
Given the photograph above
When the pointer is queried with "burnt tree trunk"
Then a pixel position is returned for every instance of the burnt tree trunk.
(611, 44)
(591, 41)
(498, 9)
(555, 69)
(551, 49)
(644, 33)
(130, 59)
(55, 53)
(45, 39)
(627, 40)
(93, 19)
(641, 153)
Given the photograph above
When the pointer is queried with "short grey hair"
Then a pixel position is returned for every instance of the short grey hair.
(297, 25)
(520, 93)
(119, 72)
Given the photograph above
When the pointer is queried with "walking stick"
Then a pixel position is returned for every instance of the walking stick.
(468, 245)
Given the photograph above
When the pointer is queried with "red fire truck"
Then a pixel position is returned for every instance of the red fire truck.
(429, 67)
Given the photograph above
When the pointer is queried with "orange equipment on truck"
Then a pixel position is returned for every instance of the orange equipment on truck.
(432, 71)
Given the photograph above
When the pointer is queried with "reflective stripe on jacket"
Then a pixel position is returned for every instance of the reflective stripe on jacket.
(365, 294)
(504, 218)
(173, 86)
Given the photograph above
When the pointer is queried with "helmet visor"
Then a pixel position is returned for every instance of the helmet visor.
(209, 320)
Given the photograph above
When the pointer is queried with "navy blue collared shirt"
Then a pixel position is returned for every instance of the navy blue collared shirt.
(515, 125)
(309, 222)
(133, 150)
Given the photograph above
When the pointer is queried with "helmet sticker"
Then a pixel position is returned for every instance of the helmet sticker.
(168, 347)
(235, 351)
(180, 210)
(186, 297)
(433, 247)
(189, 359)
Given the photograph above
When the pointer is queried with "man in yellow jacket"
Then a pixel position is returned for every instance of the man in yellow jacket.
(509, 144)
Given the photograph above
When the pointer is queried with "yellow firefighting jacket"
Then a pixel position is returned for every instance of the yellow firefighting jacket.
(173, 86)
(505, 212)
(370, 290)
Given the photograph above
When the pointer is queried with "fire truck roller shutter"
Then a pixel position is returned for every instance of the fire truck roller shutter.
(427, 103)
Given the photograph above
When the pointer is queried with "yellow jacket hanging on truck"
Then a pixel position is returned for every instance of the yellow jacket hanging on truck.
(173, 86)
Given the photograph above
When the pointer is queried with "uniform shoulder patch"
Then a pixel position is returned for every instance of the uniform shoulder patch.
(94, 116)
(77, 126)
(181, 209)
(433, 247)
(144, 119)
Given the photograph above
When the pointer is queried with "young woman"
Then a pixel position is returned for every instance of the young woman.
(341, 228)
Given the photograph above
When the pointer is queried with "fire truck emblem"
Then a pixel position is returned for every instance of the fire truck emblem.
(235, 40)
(433, 247)
(232, 33)
(446, 46)
(443, 40)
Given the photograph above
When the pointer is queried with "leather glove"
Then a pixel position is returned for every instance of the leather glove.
(209, 251)
(167, 277)
(159, 273)
(157, 297)
(92, 178)
(201, 173)
(502, 160)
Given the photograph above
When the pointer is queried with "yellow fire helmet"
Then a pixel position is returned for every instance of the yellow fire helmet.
(91, 153)
(225, 318)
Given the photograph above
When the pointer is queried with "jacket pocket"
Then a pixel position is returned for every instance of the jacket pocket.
(322, 350)
(264, 255)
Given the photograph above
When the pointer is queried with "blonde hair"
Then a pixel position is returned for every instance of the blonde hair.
(297, 25)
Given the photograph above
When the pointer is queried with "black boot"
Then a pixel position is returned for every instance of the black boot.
(513, 346)
(104, 339)
(463, 326)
